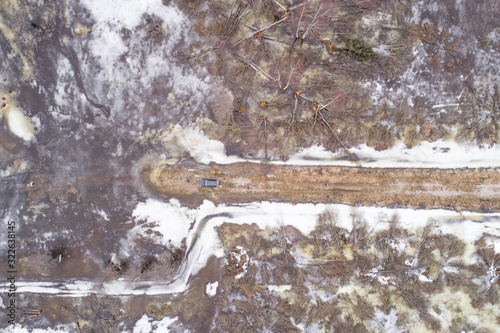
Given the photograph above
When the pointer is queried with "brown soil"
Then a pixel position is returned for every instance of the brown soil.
(477, 190)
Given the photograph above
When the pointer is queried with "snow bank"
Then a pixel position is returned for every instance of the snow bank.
(191, 139)
(439, 154)
(174, 222)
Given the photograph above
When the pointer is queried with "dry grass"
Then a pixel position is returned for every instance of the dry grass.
(401, 10)
(430, 322)
(387, 300)
(362, 309)
(38, 264)
(432, 251)
(97, 313)
(381, 137)
(222, 107)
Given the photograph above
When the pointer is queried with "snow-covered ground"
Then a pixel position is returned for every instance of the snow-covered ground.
(173, 222)
(112, 66)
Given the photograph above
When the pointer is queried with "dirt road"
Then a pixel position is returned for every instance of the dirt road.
(475, 190)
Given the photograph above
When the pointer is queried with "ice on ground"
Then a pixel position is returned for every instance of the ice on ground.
(121, 57)
(128, 13)
(202, 240)
(211, 288)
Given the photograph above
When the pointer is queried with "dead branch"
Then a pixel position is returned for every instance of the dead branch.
(254, 66)
(257, 31)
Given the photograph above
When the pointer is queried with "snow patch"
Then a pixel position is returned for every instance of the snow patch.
(241, 255)
(19, 124)
(143, 325)
(386, 322)
(147, 325)
(179, 140)
(280, 289)
(398, 245)
(128, 13)
(374, 273)
(17, 166)
(170, 220)
(211, 288)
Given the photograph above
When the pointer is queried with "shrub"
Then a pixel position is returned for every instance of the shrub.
(359, 50)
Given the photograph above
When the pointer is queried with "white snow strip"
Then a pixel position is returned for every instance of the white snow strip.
(17, 328)
(438, 106)
(439, 154)
(280, 289)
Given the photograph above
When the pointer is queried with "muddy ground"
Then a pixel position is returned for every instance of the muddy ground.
(460, 190)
